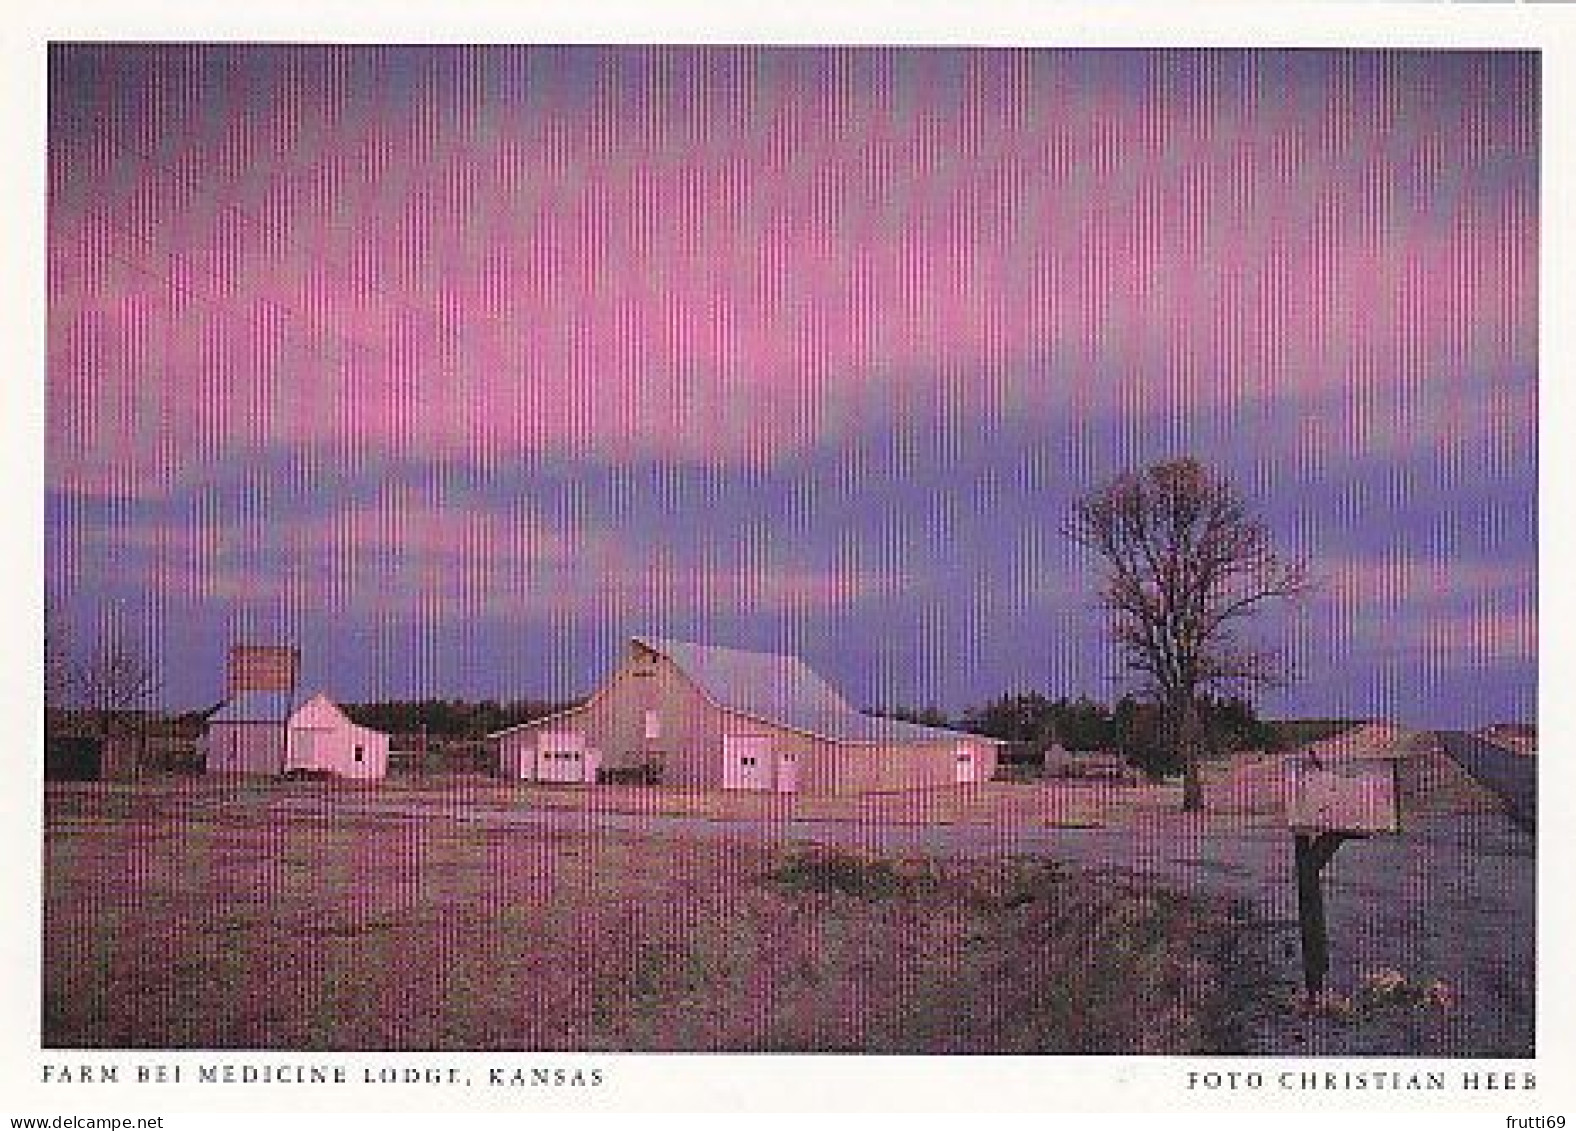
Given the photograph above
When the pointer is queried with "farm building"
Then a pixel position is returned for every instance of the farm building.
(1105, 765)
(261, 667)
(693, 714)
(247, 734)
(268, 732)
(322, 738)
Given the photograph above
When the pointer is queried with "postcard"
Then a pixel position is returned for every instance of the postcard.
(688, 566)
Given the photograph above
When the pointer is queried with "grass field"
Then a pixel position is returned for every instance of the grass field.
(170, 926)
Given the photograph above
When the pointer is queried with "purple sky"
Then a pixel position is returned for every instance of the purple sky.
(456, 366)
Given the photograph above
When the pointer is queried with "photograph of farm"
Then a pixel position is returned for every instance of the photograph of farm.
(791, 549)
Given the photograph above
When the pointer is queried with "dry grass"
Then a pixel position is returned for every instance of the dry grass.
(1051, 803)
(167, 925)
(1043, 804)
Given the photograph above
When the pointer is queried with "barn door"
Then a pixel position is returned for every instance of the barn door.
(561, 756)
(746, 762)
(967, 769)
(787, 772)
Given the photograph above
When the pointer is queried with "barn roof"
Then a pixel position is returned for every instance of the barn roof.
(255, 707)
(783, 689)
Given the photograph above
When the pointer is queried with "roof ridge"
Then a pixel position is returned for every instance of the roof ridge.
(670, 641)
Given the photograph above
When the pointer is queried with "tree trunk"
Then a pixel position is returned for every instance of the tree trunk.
(1187, 746)
(1192, 784)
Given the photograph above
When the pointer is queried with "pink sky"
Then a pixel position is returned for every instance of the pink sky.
(382, 334)
(599, 275)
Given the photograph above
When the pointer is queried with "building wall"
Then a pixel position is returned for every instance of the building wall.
(245, 748)
(322, 737)
(614, 723)
(836, 767)
(334, 750)
(702, 764)
(517, 749)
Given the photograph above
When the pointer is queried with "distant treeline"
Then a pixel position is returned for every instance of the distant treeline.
(72, 721)
(1301, 732)
(452, 718)
(1083, 723)
(1033, 722)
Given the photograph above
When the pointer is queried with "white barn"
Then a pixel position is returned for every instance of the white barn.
(701, 715)
(321, 737)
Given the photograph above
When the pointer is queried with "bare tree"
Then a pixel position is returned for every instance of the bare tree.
(114, 678)
(1186, 563)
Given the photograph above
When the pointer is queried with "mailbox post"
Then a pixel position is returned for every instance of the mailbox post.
(1314, 851)
(1331, 801)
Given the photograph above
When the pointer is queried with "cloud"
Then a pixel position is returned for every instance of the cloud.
(1360, 580)
(408, 559)
(544, 338)
(1454, 613)
(747, 265)
(1486, 635)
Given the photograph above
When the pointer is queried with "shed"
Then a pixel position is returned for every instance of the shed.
(322, 738)
(702, 715)
(247, 734)
(1058, 761)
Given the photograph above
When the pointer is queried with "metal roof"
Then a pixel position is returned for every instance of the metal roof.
(256, 707)
(784, 690)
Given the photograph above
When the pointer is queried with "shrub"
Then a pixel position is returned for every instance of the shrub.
(834, 871)
(629, 775)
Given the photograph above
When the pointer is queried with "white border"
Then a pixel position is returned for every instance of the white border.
(739, 1083)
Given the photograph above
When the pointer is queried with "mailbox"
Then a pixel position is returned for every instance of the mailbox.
(1328, 801)
(1347, 795)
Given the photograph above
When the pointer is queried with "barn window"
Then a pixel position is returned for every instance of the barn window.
(358, 753)
(653, 725)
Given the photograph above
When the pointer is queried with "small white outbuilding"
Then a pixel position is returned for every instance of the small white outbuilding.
(246, 735)
(322, 738)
